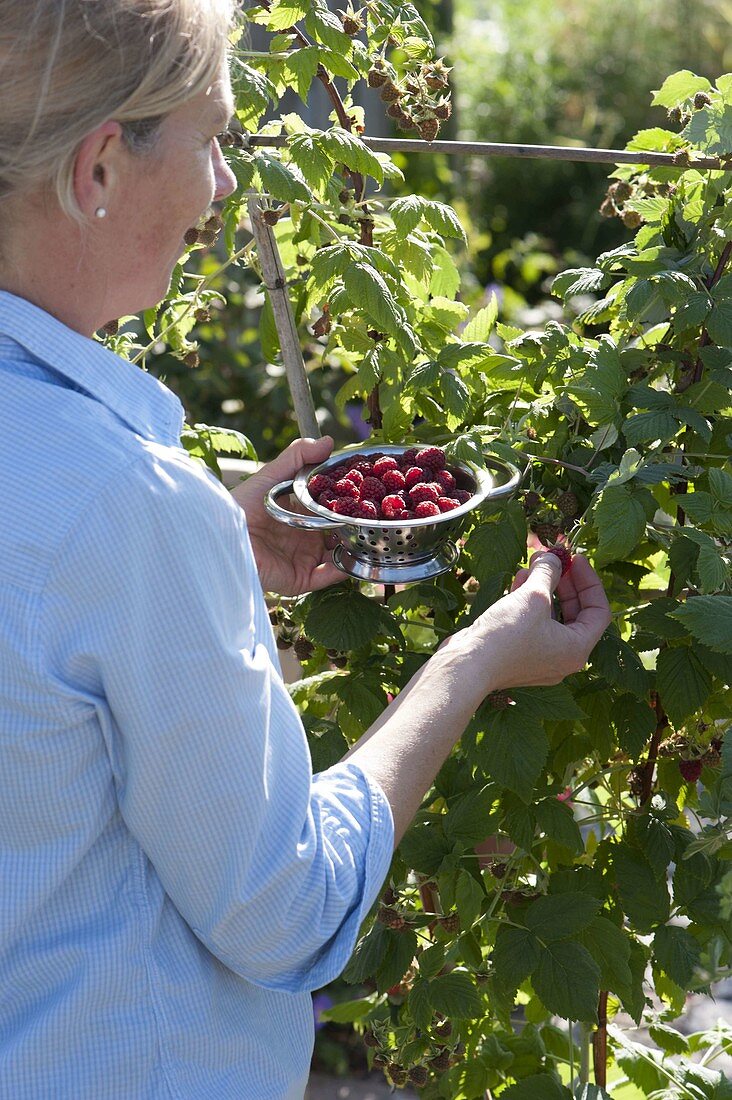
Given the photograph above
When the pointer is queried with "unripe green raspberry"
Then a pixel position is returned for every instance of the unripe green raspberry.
(568, 504)
(429, 129)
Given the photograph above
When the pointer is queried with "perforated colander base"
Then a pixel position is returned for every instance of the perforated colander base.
(396, 572)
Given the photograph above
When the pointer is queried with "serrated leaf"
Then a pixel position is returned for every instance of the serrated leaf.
(344, 619)
(406, 213)
(538, 1086)
(556, 821)
(303, 65)
(559, 916)
(315, 164)
(621, 523)
(514, 752)
(399, 951)
(469, 895)
(479, 327)
(443, 219)
(610, 948)
(420, 1004)
(455, 395)
(614, 660)
(353, 152)
(579, 280)
(367, 955)
(445, 280)
(338, 65)
(644, 897)
(368, 291)
(423, 848)
(679, 87)
(469, 813)
(455, 995)
(683, 682)
(634, 721)
(347, 1011)
(279, 180)
(515, 955)
(668, 1039)
(709, 619)
(327, 28)
(567, 981)
(677, 952)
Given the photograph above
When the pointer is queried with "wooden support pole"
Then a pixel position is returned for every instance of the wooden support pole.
(275, 283)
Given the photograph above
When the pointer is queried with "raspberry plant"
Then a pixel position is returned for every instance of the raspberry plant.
(573, 855)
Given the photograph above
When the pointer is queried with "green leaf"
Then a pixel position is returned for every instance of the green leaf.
(709, 619)
(443, 219)
(567, 981)
(279, 180)
(669, 1039)
(514, 752)
(644, 897)
(315, 164)
(677, 952)
(469, 896)
(479, 327)
(682, 680)
(347, 1011)
(327, 28)
(338, 65)
(614, 660)
(343, 619)
(424, 847)
(538, 1086)
(467, 821)
(679, 87)
(455, 995)
(368, 291)
(406, 213)
(634, 721)
(281, 15)
(366, 958)
(420, 1004)
(556, 821)
(353, 152)
(621, 523)
(455, 395)
(445, 281)
(515, 955)
(610, 948)
(559, 916)
(399, 951)
(303, 65)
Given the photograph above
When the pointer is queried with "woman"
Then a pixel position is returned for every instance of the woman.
(174, 880)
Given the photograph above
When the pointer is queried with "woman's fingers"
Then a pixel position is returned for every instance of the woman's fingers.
(585, 606)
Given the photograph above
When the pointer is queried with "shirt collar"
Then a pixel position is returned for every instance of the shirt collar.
(141, 401)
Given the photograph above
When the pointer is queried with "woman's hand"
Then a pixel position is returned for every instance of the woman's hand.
(290, 561)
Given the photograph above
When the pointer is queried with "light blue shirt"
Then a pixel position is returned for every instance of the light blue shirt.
(173, 880)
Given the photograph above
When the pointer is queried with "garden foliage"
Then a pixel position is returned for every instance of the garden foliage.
(573, 856)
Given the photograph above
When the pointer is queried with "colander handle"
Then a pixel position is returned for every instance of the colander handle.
(308, 522)
(493, 492)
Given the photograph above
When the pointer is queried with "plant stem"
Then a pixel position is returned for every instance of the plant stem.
(599, 1042)
(584, 1067)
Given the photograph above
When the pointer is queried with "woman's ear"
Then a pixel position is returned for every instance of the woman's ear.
(97, 168)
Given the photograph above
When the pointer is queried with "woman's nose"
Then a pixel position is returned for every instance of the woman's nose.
(224, 178)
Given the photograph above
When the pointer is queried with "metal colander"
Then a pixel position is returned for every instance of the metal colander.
(392, 551)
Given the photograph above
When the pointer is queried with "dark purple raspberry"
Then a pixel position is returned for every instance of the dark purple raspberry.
(391, 506)
(393, 480)
(431, 458)
(345, 488)
(446, 480)
(346, 506)
(384, 464)
(461, 496)
(372, 489)
(409, 456)
(424, 492)
(319, 484)
(367, 510)
(690, 770)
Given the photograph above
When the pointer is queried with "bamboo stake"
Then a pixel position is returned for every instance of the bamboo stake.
(502, 149)
(276, 285)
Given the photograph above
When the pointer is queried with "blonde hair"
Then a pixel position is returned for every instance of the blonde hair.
(66, 66)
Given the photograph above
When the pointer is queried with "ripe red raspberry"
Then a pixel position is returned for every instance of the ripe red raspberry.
(319, 484)
(446, 480)
(363, 467)
(372, 489)
(388, 462)
(426, 508)
(367, 510)
(564, 554)
(392, 505)
(690, 769)
(422, 492)
(447, 504)
(355, 476)
(345, 488)
(346, 506)
(409, 457)
(415, 475)
(431, 458)
(327, 499)
(393, 480)
(462, 496)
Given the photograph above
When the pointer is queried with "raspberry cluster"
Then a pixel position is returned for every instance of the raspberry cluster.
(413, 485)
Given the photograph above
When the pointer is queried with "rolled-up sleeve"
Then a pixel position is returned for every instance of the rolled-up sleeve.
(154, 618)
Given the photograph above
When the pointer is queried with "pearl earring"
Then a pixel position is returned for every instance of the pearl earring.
(100, 212)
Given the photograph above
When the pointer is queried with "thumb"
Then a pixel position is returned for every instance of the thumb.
(545, 573)
(302, 452)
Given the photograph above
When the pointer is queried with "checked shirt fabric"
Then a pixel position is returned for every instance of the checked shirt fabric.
(175, 881)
